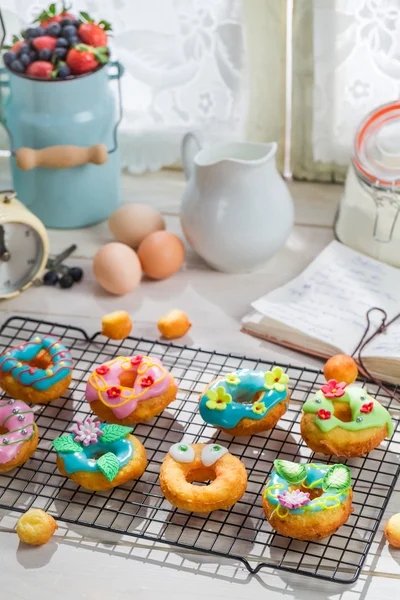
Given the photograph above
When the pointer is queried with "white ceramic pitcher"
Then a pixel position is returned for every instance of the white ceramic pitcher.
(236, 210)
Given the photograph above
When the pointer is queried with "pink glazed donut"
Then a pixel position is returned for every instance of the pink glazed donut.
(18, 434)
(129, 390)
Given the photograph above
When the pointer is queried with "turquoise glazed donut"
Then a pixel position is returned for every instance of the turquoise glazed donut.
(307, 501)
(245, 402)
(36, 371)
(100, 456)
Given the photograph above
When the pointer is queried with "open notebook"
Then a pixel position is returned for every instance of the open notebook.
(323, 310)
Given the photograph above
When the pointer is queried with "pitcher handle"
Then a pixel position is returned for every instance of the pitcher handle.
(190, 140)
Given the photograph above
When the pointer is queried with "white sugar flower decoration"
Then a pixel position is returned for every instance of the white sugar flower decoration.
(87, 432)
(294, 499)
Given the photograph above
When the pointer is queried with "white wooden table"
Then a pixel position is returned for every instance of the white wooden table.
(88, 564)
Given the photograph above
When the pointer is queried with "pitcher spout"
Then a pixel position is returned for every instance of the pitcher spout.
(245, 153)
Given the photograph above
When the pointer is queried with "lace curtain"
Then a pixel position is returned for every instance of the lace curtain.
(346, 63)
(184, 70)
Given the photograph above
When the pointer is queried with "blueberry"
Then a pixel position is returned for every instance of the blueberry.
(45, 54)
(76, 23)
(69, 31)
(50, 278)
(62, 43)
(23, 50)
(64, 71)
(17, 66)
(66, 281)
(73, 40)
(33, 32)
(33, 55)
(9, 58)
(76, 273)
(54, 29)
(66, 21)
(25, 59)
(60, 53)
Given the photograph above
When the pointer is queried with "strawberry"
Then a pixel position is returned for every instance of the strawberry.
(42, 69)
(83, 58)
(17, 45)
(92, 34)
(56, 19)
(44, 42)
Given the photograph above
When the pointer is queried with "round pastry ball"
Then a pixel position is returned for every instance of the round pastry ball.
(161, 254)
(342, 368)
(36, 527)
(392, 530)
(131, 223)
(116, 268)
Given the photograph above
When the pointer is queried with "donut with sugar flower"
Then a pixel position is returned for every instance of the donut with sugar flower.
(129, 390)
(344, 421)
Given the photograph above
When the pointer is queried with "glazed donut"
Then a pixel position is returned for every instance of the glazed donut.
(344, 421)
(36, 371)
(307, 501)
(186, 463)
(18, 434)
(245, 402)
(129, 390)
(99, 456)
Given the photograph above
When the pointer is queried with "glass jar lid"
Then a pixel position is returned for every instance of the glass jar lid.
(377, 147)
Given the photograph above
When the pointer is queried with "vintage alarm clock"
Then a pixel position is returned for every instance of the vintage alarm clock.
(24, 246)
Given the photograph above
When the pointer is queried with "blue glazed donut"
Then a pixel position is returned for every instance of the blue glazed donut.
(100, 456)
(245, 402)
(36, 371)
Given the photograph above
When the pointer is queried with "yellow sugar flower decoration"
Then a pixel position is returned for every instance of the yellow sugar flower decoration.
(218, 399)
(232, 378)
(276, 379)
(259, 408)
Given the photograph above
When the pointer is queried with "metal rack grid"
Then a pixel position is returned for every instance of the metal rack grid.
(139, 509)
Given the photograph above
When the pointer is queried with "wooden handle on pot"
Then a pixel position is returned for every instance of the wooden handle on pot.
(61, 157)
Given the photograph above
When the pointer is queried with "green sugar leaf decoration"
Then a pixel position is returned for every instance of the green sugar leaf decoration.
(65, 443)
(108, 465)
(338, 477)
(292, 472)
(113, 433)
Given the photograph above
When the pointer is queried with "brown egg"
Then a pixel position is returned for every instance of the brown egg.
(131, 223)
(116, 268)
(161, 254)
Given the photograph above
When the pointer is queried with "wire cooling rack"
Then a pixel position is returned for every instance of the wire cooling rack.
(139, 509)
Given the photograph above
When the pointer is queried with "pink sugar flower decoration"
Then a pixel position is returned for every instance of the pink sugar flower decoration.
(136, 360)
(333, 389)
(102, 370)
(293, 499)
(87, 432)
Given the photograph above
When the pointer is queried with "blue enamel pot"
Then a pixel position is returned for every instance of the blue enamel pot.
(79, 188)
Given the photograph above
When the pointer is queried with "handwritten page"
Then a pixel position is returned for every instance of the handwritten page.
(329, 300)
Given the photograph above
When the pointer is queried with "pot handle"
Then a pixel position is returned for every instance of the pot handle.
(190, 146)
(61, 157)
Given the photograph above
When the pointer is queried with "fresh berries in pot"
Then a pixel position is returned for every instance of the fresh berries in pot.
(17, 66)
(83, 58)
(45, 42)
(45, 54)
(40, 69)
(54, 29)
(93, 35)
